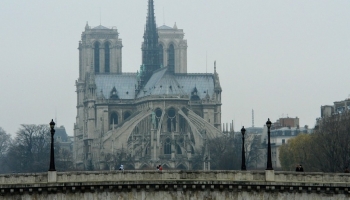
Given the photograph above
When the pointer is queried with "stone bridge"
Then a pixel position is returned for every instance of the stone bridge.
(191, 185)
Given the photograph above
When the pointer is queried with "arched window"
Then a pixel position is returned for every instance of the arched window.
(114, 118)
(171, 122)
(167, 146)
(171, 57)
(97, 57)
(127, 115)
(107, 57)
(146, 152)
(158, 116)
(182, 125)
(178, 149)
(161, 55)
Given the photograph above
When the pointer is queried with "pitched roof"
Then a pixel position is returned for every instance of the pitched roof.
(162, 82)
(203, 82)
(100, 27)
(124, 83)
(164, 27)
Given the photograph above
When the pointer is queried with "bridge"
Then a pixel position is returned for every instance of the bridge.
(175, 184)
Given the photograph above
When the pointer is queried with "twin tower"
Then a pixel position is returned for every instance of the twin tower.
(100, 49)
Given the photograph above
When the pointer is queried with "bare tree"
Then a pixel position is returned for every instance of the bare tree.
(254, 150)
(326, 150)
(119, 157)
(332, 143)
(226, 152)
(63, 158)
(5, 142)
(30, 149)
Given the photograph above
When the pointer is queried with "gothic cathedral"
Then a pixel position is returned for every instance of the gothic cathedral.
(159, 115)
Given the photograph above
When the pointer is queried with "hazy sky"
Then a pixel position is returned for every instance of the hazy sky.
(277, 57)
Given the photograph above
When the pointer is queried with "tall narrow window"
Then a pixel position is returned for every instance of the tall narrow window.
(158, 116)
(114, 118)
(171, 122)
(171, 57)
(97, 57)
(161, 56)
(167, 146)
(107, 57)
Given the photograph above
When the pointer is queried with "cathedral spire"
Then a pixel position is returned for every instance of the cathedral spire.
(150, 52)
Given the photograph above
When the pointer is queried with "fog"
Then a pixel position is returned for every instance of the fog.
(280, 58)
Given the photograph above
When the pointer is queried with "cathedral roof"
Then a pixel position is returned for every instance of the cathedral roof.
(124, 84)
(164, 27)
(163, 82)
(100, 27)
(204, 82)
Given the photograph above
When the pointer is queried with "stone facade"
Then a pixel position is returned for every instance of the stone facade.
(158, 115)
(172, 43)
(176, 184)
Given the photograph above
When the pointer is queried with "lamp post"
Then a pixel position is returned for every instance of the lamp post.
(243, 167)
(269, 161)
(52, 154)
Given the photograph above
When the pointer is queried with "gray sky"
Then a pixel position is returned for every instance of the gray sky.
(277, 57)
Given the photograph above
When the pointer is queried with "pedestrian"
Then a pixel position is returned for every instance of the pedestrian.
(301, 168)
(157, 167)
(121, 167)
(160, 168)
(297, 169)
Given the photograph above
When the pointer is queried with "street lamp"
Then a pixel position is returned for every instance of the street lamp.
(243, 167)
(52, 155)
(269, 162)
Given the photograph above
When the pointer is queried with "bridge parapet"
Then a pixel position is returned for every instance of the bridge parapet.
(133, 183)
(310, 177)
(175, 175)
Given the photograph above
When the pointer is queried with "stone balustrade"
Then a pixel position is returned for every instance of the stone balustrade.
(174, 180)
(176, 175)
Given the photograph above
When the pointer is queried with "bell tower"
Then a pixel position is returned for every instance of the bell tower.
(100, 47)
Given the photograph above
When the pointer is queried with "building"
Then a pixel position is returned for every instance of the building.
(158, 115)
(61, 137)
(286, 122)
(280, 132)
(338, 108)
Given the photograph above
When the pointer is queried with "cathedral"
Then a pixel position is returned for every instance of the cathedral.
(159, 115)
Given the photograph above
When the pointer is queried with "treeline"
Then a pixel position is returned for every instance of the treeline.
(326, 150)
(226, 153)
(29, 151)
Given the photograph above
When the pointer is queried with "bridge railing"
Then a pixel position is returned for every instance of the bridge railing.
(319, 177)
(177, 175)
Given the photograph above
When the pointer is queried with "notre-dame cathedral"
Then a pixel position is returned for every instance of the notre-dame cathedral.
(159, 115)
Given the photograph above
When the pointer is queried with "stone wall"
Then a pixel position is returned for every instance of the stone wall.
(176, 185)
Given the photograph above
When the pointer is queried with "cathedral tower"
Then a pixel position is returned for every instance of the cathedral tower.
(100, 49)
(172, 49)
(150, 52)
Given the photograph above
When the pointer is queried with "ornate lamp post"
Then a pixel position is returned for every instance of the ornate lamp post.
(243, 167)
(269, 161)
(52, 155)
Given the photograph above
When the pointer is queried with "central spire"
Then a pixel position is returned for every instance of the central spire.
(150, 51)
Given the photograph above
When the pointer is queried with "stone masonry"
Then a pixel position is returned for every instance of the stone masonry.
(176, 185)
